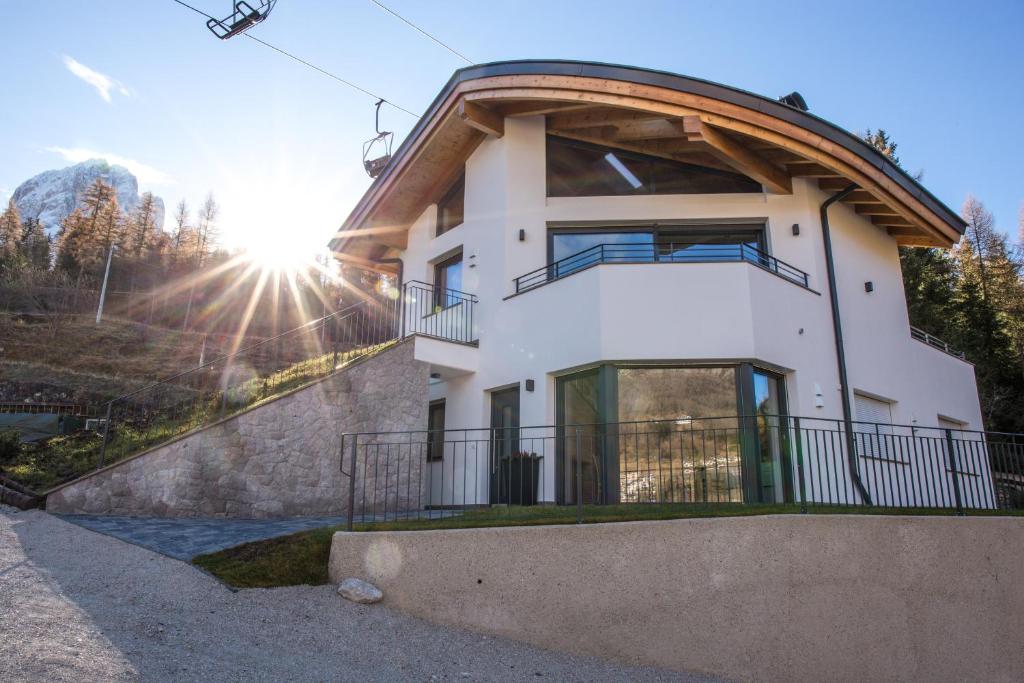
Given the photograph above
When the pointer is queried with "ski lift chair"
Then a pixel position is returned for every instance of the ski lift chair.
(380, 143)
(242, 18)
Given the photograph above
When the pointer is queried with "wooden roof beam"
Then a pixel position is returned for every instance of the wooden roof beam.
(875, 210)
(596, 118)
(809, 169)
(653, 129)
(541, 107)
(482, 118)
(741, 158)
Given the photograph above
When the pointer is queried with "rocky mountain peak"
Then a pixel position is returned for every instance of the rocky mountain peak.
(52, 195)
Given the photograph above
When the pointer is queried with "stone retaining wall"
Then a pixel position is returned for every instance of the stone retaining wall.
(278, 460)
(772, 598)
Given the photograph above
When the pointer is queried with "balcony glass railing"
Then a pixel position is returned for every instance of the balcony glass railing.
(658, 253)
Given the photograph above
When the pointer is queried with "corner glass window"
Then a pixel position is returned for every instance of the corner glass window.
(582, 169)
(451, 208)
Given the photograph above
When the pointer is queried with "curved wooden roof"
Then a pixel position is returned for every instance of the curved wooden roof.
(653, 112)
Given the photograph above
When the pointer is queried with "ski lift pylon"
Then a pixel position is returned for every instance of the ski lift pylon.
(243, 17)
(381, 142)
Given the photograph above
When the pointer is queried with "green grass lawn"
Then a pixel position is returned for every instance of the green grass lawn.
(302, 558)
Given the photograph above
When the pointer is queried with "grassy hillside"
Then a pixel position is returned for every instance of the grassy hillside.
(78, 361)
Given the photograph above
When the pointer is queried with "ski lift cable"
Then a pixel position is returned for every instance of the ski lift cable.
(428, 35)
(310, 65)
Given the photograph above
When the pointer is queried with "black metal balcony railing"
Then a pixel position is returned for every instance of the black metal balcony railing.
(759, 459)
(922, 336)
(436, 312)
(658, 253)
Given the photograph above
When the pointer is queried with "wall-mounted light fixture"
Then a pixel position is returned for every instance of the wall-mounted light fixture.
(869, 286)
(819, 399)
(529, 385)
(522, 235)
(796, 229)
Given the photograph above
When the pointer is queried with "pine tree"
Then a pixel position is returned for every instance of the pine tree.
(140, 231)
(10, 236)
(182, 236)
(36, 247)
(206, 231)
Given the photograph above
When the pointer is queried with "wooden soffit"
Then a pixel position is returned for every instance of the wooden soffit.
(709, 125)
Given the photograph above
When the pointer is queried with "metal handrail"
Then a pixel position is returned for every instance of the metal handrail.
(658, 253)
(430, 311)
(922, 336)
(427, 285)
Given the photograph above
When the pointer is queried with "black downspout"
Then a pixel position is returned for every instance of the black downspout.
(837, 327)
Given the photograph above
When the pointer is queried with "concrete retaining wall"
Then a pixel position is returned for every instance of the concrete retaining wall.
(774, 598)
(277, 460)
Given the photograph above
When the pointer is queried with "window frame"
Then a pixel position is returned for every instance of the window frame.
(456, 188)
(435, 445)
(441, 280)
(657, 228)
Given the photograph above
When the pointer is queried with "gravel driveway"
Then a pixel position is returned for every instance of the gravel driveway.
(80, 606)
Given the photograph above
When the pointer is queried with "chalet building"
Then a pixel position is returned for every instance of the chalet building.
(585, 250)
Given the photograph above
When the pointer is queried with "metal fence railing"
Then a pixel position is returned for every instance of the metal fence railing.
(437, 312)
(658, 253)
(761, 459)
(933, 341)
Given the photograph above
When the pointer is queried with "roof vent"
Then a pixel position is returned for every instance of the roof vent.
(795, 100)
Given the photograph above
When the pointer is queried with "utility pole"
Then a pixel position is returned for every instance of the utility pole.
(103, 289)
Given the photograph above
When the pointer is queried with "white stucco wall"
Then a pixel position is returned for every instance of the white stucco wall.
(674, 312)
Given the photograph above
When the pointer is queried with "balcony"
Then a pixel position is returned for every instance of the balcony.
(925, 338)
(438, 313)
(658, 253)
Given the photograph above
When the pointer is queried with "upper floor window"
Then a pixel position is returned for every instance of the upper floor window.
(451, 208)
(582, 169)
(572, 249)
(447, 277)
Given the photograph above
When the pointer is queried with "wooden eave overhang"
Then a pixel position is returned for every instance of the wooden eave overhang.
(652, 112)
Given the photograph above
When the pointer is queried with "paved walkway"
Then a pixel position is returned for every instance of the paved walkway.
(184, 538)
(81, 606)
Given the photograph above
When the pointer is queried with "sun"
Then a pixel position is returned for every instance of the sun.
(281, 252)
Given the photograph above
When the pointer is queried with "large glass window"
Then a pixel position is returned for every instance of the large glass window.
(769, 406)
(581, 169)
(680, 442)
(451, 208)
(573, 249)
(579, 408)
(673, 434)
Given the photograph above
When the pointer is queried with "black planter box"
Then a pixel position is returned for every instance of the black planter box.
(518, 479)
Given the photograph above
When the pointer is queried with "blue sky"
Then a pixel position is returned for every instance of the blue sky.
(280, 145)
